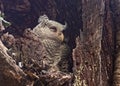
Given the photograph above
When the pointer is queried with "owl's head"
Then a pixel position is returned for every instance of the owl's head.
(49, 29)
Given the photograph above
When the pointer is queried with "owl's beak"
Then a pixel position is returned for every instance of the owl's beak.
(61, 36)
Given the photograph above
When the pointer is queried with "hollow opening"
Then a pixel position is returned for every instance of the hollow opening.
(26, 14)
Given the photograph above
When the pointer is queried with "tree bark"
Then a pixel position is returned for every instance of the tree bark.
(93, 56)
(90, 36)
(116, 12)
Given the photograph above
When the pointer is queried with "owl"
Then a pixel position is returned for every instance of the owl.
(51, 35)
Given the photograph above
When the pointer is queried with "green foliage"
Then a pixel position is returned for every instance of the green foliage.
(4, 22)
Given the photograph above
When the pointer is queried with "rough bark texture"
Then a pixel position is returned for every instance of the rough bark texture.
(30, 52)
(94, 52)
(25, 47)
(90, 23)
(116, 12)
(11, 74)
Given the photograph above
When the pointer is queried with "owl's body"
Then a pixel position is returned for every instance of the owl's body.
(51, 35)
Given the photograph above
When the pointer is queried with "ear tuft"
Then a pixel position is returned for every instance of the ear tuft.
(43, 18)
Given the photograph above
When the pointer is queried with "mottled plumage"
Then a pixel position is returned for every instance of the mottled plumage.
(51, 35)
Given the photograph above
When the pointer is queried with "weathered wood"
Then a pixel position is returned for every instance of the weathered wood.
(116, 18)
(93, 55)
(9, 71)
(92, 61)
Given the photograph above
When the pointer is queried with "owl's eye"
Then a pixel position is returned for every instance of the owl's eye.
(53, 29)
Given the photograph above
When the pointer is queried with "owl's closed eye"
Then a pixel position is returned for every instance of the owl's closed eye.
(51, 35)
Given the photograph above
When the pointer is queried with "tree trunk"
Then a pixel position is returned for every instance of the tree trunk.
(93, 56)
(116, 12)
(90, 36)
